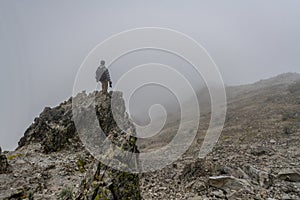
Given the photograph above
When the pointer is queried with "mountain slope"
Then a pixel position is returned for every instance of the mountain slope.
(257, 156)
(258, 153)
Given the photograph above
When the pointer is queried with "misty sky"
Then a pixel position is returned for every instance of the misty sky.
(43, 43)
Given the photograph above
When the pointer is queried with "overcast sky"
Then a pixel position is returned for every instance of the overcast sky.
(43, 43)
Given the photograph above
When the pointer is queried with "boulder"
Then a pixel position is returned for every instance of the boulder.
(229, 183)
(292, 175)
(264, 179)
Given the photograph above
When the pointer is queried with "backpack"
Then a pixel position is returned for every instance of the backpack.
(99, 73)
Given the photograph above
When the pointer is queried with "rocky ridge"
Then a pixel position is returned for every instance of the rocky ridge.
(52, 163)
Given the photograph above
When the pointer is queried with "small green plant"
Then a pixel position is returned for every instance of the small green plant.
(285, 116)
(30, 196)
(288, 130)
(290, 116)
(14, 156)
(81, 165)
(66, 194)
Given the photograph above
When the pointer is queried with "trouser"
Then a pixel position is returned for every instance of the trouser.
(104, 86)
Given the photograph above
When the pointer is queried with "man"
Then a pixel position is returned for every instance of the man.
(102, 75)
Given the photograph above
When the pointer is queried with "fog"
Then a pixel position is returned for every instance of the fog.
(43, 44)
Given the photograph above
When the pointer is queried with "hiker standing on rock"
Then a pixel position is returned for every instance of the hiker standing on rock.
(102, 75)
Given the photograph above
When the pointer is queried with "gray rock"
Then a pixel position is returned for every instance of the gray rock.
(238, 173)
(197, 198)
(272, 141)
(259, 151)
(4, 167)
(292, 175)
(229, 183)
(264, 179)
(218, 193)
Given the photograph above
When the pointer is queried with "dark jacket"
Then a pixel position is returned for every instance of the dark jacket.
(102, 74)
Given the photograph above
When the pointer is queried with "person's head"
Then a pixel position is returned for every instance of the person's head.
(102, 62)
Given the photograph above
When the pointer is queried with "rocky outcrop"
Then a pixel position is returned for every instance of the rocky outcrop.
(4, 167)
(103, 181)
(51, 161)
(53, 129)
